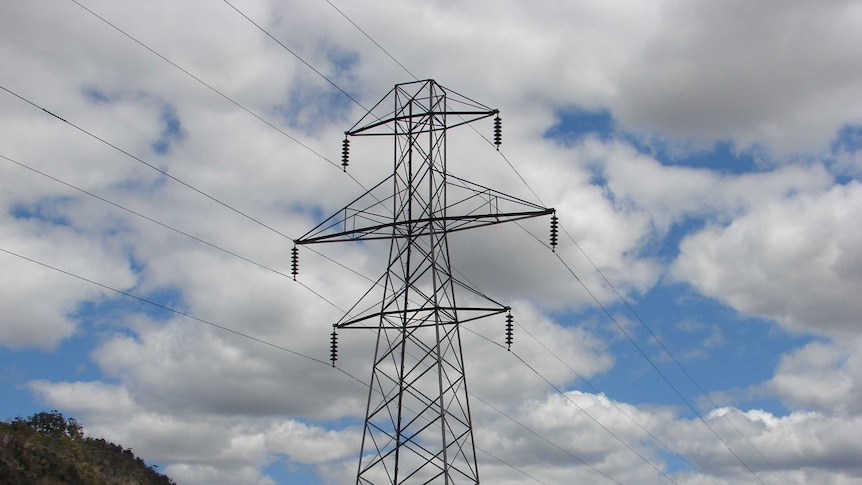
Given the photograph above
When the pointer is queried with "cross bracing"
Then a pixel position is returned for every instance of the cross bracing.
(418, 427)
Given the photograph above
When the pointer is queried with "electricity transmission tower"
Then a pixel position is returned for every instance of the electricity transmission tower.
(417, 426)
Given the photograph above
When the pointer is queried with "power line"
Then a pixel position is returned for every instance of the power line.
(104, 200)
(522, 472)
(288, 350)
(648, 359)
(178, 231)
(513, 168)
(396, 61)
(296, 353)
(655, 367)
(652, 436)
(583, 378)
(527, 428)
(546, 440)
(166, 226)
(154, 221)
(213, 89)
(164, 307)
(142, 161)
(288, 49)
(236, 103)
(163, 172)
(229, 99)
(666, 350)
(595, 267)
(581, 408)
(372, 40)
(605, 428)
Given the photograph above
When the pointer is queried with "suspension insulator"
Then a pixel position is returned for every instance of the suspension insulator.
(509, 331)
(498, 131)
(294, 262)
(345, 153)
(333, 353)
(554, 224)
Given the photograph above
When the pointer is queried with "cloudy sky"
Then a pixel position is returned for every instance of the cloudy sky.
(699, 323)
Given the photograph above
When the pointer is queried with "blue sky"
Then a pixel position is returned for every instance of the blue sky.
(703, 156)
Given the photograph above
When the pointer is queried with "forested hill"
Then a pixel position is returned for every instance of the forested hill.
(48, 449)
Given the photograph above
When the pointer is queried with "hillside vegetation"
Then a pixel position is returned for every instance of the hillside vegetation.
(48, 449)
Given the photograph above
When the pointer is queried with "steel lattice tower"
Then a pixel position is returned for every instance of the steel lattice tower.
(418, 427)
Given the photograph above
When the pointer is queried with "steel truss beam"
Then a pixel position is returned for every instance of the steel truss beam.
(418, 427)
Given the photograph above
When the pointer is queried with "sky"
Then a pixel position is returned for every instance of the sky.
(699, 322)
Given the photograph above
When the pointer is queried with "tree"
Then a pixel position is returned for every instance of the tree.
(49, 449)
(52, 424)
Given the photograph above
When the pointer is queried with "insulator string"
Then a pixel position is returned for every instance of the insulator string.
(555, 222)
(498, 132)
(509, 330)
(294, 262)
(345, 153)
(333, 352)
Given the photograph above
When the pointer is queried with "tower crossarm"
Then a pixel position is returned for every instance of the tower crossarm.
(407, 98)
(421, 227)
(464, 115)
(421, 317)
(469, 206)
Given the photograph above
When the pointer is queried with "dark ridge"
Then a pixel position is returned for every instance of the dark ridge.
(48, 449)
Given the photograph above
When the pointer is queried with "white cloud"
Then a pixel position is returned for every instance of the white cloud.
(303, 443)
(823, 376)
(781, 74)
(95, 398)
(775, 73)
(792, 449)
(559, 353)
(794, 259)
(668, 194)
(207, 474)
(40, 304)
(218, 407)
(799, 447)
(184, 367)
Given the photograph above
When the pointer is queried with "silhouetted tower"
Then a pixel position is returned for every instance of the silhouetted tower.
(418, 427)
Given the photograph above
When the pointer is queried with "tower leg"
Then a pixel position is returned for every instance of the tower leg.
(418, 427)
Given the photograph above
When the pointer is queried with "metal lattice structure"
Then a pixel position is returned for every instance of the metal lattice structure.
(418, 427)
